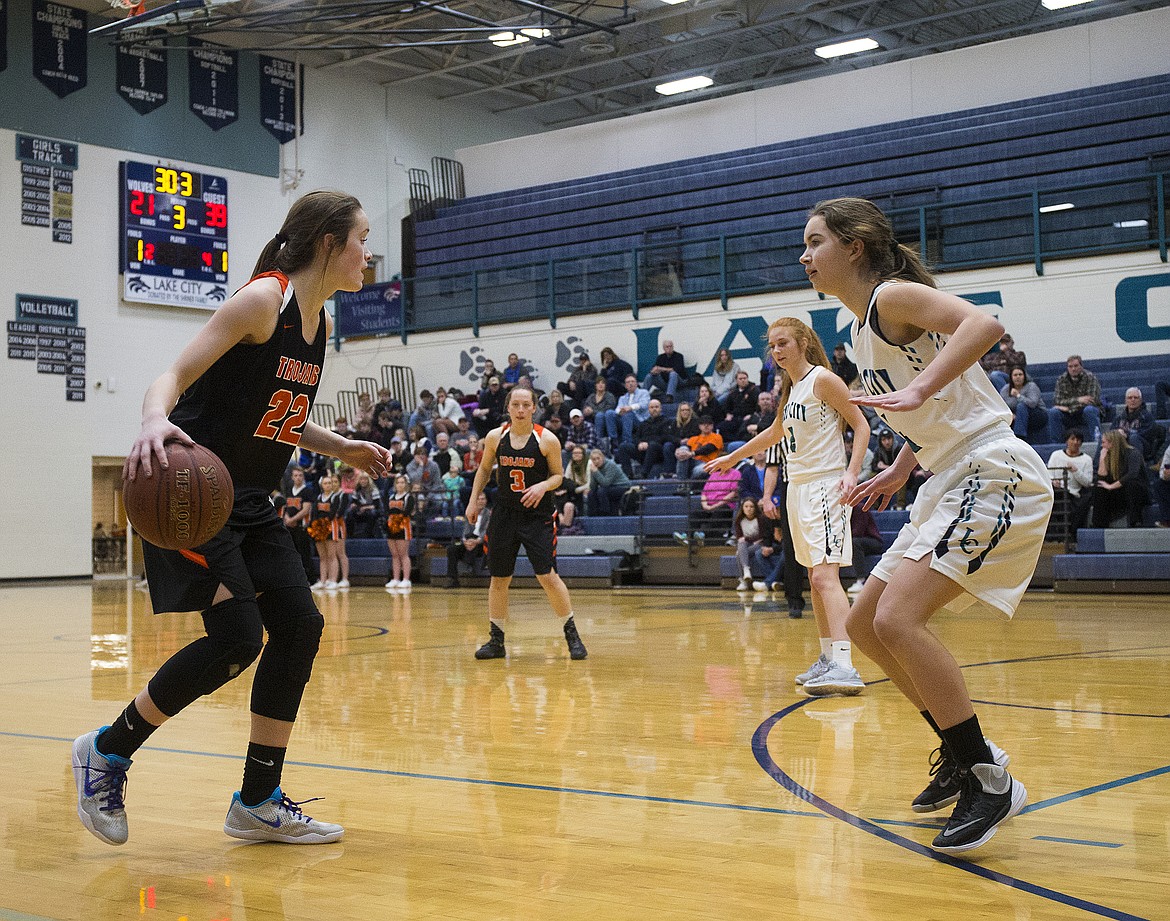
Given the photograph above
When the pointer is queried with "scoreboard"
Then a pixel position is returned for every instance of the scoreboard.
(174, 236)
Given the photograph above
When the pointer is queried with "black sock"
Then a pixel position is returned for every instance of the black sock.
(126, 734)
(262, 769)
(930, 719)
(966, 743)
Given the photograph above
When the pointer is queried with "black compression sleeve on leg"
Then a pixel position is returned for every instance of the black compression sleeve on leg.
(235, 636)
(294, 634)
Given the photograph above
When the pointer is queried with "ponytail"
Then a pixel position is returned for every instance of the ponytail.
(311, 218)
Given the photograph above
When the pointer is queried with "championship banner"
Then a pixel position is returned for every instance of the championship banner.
(213, 82)
(278, 103)
(59, 47)
(141, 74)
(46, 193)
(375, 310)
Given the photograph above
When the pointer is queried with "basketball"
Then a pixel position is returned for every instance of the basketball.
(183, 506)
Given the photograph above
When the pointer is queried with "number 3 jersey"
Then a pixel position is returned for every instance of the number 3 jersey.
(517, 469)
(963, 408)
(251, 406)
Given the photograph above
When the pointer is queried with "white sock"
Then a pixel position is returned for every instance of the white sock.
(496, 623)
(747, 574)
(827, 647)
(567, 618)
(843, 653)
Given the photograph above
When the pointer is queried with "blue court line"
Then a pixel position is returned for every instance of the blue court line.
(476, 781)
(997, 703)
(1075, 841)
(1108, 785)
(773, 770)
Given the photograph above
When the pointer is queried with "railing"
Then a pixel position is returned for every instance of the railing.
(1113, 216)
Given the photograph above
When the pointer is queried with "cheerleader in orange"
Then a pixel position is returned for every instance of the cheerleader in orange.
(327, 528)
(400, 509)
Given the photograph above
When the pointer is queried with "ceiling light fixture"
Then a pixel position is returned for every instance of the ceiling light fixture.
(849, 47)
(1127, 224)
(1061, 4)
(685, 85)
(507, 39)
(1063, 206)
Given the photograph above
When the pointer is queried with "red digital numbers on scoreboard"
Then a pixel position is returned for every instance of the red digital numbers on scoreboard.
(216, 214)
(141, 203)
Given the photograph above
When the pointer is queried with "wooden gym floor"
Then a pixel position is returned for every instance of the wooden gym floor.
(677, 773)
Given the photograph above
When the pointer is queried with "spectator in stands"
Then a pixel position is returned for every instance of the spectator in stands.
(558, 428)
(365, 513)
(1024, 399)
(753, 475)
(527, 383)
(365, 412)
(577, 473)
(768, 554)
(461, 438)
(868, 545)
(1161, 390)
(452, 493)
(554, 405)
(513, 372)
(999, 360)
(1119, 486)
(444, 455)
(1144, 434)
(668, 372)
(717, 502)
(842, 366)
(598, 404)
(400, 510)
(424, 414)
(417, 437)
(471, 546)
(706, 404)
(384, 428)
(580, 432)
(632, 408)
(645, 449)
(607, 484)
(490, 411)
(684, 425)
(722, 377)
(448, 412)
(342, 427)
(1012, 357)
(565, 507)
(1076, 402)
(742, 402)
(426, 475)
(887, 451)
(866, 471)
(1162, 491)
(748, 531)
(697, 450)
(472, 459)
(614, 370)
(582, 380)
(764, 416)
(1072, 478)
(399, 455)
(489, 371)
(768, 380)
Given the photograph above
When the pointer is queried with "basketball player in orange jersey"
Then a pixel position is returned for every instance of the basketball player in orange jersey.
(243, 387)
(530, 469)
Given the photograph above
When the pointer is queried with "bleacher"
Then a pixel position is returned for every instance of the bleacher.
(1106, 132)
(1122, 560)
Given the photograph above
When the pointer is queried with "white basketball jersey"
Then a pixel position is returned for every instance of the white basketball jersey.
(812, 433)
(964, 407)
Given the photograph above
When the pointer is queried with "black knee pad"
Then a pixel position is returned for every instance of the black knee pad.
(235, 636)
(294, 635)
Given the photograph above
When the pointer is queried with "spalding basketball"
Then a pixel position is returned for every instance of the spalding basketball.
(183, 506)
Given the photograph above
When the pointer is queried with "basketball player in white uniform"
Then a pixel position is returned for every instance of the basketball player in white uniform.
(977, 525)
(815, 407)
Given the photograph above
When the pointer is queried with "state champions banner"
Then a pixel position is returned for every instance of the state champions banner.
(375, 310)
